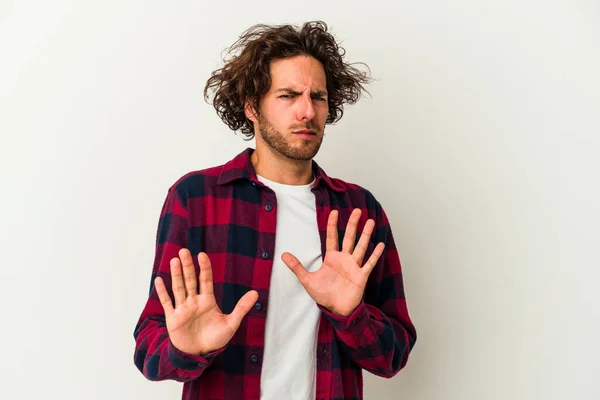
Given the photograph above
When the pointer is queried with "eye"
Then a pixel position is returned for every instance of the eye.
(285, 96)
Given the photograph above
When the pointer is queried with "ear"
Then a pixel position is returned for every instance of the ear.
(250, 112)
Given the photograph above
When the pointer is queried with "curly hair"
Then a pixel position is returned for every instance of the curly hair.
(246, 76)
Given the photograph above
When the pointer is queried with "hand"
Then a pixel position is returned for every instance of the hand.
(340, 282)
(196, 325)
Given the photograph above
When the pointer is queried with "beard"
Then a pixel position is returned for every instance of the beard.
(304, 150)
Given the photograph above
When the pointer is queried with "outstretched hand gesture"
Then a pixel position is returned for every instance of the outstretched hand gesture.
(196, 325)
(340, 282)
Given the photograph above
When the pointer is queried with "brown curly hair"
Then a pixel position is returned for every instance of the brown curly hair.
(246, 76)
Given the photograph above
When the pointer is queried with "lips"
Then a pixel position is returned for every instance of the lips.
(305, 132)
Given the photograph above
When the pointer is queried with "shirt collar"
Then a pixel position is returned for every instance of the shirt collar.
(240, 167)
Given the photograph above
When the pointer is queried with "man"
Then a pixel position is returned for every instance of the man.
(271, 279)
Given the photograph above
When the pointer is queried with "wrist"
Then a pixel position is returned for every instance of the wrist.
(355, 320)
(344, 313)
(185, 360)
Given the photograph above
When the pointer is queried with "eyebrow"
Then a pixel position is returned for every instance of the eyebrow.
(318, 93)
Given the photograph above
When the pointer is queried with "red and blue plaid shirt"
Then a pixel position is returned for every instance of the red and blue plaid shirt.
(227, 213)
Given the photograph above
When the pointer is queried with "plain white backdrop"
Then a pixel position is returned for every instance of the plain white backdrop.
(480, 138)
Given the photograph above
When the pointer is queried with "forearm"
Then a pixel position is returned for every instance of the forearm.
(155, 356)
(373, 340)
(379, 335)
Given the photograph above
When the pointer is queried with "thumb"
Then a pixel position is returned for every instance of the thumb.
(296, 266)
(241, 309)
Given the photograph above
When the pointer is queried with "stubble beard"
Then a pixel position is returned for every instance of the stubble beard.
(275, 139)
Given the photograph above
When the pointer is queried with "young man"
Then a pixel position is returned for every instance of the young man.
(271, 279)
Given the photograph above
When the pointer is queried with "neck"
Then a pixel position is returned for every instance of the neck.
(280, 169)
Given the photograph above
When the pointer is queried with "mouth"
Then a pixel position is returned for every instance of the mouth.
(305, 132)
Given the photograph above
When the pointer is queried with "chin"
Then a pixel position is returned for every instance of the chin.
(304, 154)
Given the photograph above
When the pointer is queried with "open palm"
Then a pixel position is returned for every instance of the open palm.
(196, 324)
(340, 282)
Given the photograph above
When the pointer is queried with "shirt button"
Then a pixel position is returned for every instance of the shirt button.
(268, 207)
(254, 358)
(258, 306)
(265, 255)
(352, 324)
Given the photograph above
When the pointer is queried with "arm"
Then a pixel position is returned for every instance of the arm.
(155, 355)
(379, 335)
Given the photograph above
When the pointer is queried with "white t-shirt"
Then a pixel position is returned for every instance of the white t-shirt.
(289, 363)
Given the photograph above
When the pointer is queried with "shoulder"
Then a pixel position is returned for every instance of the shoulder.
(196, 183)
(357, 196)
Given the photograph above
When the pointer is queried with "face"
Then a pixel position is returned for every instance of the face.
(293, 112)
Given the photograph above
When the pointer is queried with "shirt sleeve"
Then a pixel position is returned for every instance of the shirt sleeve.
(154, 355)
(379, 335)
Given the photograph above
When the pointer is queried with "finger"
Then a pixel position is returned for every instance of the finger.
(350, 235)
(189, 272)
(241, 309)
(331, 242)
(163, 296)
(206, 276)
(363, 242)
(372, 261)
(297, 268)
(177, 282)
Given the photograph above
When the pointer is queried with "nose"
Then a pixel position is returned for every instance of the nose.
(306, 108)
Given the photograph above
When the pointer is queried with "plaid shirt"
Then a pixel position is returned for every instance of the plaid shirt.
(227, 213)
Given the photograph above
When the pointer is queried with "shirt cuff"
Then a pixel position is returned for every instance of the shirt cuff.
(354, 322)
(190, 362)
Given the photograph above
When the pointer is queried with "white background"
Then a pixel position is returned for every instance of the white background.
(480, 139)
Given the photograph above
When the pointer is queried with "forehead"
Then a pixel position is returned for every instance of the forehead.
(299, 72)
